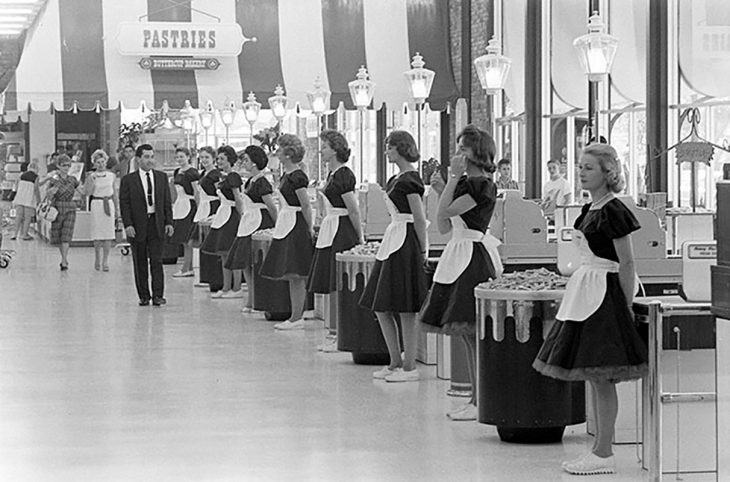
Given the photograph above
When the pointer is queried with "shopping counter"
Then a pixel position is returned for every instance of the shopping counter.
(526, 406)
(681, 429)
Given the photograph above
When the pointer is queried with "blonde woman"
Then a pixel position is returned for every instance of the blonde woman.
(101, 188)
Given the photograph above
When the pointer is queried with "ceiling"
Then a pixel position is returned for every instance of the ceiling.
(16, 16)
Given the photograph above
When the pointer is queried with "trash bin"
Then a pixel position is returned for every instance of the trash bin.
(358, 330)
(526, 406)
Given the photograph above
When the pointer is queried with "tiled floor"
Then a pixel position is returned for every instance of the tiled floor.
(95, 388)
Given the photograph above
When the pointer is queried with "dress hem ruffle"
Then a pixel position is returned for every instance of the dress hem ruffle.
(613, 374)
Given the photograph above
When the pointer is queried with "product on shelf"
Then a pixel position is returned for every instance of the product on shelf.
(529, 280)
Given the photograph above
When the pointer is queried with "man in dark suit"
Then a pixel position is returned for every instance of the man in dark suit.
(146, 207)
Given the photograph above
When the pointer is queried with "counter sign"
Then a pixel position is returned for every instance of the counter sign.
(176, 39)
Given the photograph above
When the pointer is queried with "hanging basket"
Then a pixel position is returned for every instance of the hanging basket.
(697, 152)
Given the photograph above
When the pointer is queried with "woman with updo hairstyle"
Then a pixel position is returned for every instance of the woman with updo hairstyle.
(594, 337)
(206, 197)
(397, 283)
(290, 254)
(340, 229)
(258, 212)
(224, 227)
(185, 183)
(607, 158)
(465, 208)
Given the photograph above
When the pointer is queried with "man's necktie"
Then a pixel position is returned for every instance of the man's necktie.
(149, 189)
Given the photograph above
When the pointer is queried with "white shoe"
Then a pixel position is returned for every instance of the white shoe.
(329, 345)
(247, 310)
(592, 464)
(232, 294)
(290, 325)
(217, 294)
(184, 274)
(565, 463)
(401, 375)
(468, 412)
(383, 372)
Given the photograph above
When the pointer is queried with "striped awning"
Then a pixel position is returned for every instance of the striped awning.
(71, 57)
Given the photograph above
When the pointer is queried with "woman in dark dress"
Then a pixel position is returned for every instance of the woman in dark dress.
(258, 212)
(225, 223)
(471, 257)
(185, 183)
(594, 337)
(206, 196)
(397, 284)
(340, 229)
(290, 254)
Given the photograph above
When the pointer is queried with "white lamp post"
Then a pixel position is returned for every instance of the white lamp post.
(420, 81)
(228, 113)
(206, 119)
(279, 104)
(596, 50)
(251, 110)
(361, 92)
(319, 102)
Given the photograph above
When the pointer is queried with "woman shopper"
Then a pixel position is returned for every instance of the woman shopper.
(185, 182)
(397, 285)
(258, 212)
(62, 188)
(340, 229)
(101, 188)
(225, 223)
(471, 257)
(594, 337)
(290, 254)
(206, 196)
(26, 199)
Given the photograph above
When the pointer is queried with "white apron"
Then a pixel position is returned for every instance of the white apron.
(330, 223)
(251, 219)
(204, 209)
(224, 211)
(586, 288)
(286, 220)
(395, 233)
(459, 250)
(182, 206)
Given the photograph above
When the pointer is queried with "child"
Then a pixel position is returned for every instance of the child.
(594, 337)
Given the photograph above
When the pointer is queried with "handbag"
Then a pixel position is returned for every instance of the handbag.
(46, 211)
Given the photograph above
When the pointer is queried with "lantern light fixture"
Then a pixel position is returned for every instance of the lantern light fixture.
(319, 98)
(596, 49)
(493, 68)
(228, 114)
(279, 103)
(420, 79)
(361, 89)
(251, 110)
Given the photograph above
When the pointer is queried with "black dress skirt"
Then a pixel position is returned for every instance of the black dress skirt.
(240, 255)
(219, 240)
(398, 284)
(195, 235)
(291, 256)
(605, 346)
(183, 228)
(323, 273)
(450, 308)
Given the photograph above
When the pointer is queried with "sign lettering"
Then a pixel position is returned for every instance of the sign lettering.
(180, 38)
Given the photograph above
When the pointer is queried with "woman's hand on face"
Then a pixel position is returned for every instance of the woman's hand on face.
(437, 182)
(458, 166)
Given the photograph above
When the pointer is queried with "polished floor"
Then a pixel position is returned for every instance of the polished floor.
(95, 388)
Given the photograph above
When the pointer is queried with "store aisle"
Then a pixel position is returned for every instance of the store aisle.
(95, 388)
